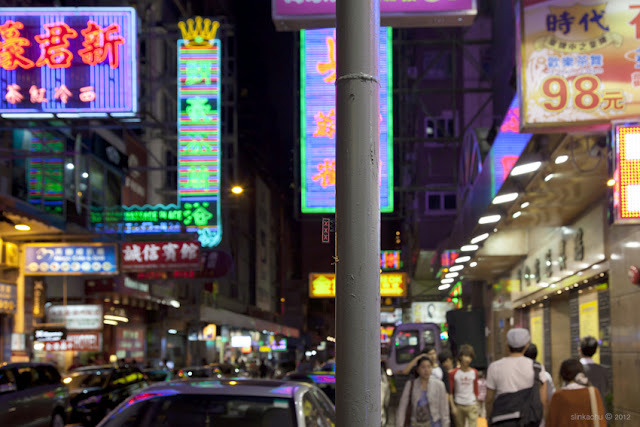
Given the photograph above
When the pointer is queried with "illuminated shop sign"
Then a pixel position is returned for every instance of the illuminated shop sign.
(241, 341)
(140, 256)
(85, 341)
(76, 317)
(198, 207)
(390, 260)
(49, 334)
(61, 259)
(75, 62)
(291, 15)
(318, 117)
(579, 62)
(8, 298)
(626, 191)
(322, 285)
(448, 257)
(507, 147)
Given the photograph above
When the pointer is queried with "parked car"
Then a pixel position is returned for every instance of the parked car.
(95, 390)
(32, 394)
(225, 403)
(157, 375)
(199, 372)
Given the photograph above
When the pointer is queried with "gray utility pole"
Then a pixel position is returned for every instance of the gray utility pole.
(357, 214)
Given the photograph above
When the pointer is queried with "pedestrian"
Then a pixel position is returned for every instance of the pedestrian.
(596, 373)
(424, 399)
(263, 368)
(430, 352)
(463, 386)
(532, 353)
(516, 392)
(578, 403)
(445, 358)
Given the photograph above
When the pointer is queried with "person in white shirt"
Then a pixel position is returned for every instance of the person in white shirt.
(463, 389)
(514, 372)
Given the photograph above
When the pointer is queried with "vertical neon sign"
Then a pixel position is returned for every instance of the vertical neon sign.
(317, 111)
(199, 129)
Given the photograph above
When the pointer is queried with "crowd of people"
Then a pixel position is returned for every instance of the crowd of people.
(517, 391)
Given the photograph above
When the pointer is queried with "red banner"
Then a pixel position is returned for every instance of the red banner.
(141, 256)
(85, 341)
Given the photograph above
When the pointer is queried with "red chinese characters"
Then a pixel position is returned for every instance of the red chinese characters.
(54, 43)
(143, 256)
(12, 47)
(99, 43)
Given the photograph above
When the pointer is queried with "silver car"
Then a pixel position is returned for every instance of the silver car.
(225, 403)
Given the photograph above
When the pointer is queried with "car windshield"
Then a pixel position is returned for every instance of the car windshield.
(88, 379)
(407, 346)
(159, 408)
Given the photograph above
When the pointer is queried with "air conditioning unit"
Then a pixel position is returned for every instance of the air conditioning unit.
(9, 255)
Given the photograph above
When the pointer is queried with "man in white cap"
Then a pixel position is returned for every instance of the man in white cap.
(513, 378)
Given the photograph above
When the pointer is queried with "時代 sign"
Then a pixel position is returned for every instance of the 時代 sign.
(140, 256)
(580, 63)
(76, 62)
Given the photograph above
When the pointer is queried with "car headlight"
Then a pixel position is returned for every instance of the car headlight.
(90, 400)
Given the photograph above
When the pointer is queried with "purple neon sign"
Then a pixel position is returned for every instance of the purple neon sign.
(314, 7)
(75, 62)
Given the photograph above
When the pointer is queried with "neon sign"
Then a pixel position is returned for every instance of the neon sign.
(45, 175)
(390, 260)
(626, 190)
(323, 285)
(507, 147)
(76, 62)
(317, 110)
(198, 207)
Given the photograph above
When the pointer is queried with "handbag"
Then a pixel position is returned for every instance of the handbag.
(594, 407)
(407, 419)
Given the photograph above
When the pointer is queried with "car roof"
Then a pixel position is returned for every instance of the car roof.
(24, 364)
(233, 387)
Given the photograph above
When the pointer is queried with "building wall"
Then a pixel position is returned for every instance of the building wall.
(625, 321)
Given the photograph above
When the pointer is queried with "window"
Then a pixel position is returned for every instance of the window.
(7, 381)
(441, 203)
(314, 415)
(443, 126)
(428, 337)
(407, 346)
(27, 378)
(47, 375)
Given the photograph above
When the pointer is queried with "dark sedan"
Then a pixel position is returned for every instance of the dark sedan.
(96, 390)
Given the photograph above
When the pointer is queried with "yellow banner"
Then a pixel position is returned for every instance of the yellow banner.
(537, 335)
(589, 323)
(322, 285)
(579, 63)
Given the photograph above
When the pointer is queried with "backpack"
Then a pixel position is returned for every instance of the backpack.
(521, 408)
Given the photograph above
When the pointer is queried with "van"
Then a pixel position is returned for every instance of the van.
(408, 341)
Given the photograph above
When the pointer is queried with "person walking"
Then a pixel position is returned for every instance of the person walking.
(596, 373)
(430, 352)
(516, 392)
(445, 358)
(424, 399)
(463, 389)
(578, 403)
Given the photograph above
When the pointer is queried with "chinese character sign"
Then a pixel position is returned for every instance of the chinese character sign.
(626, 191)
(140, 256)
(199, 129)
(322, 285)
(580, 62)
(76, 317)
(318, 118)
(57, 259)
(75, 61)
(8, 298)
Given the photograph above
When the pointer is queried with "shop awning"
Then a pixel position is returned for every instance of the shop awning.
(226, 317)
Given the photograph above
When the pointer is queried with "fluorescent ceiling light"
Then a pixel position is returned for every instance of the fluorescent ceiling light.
(174, 303)
(110, 322)
(505, 198)
(462, 259)
(469, 248)
(517, 214)
(27, 116)
(632, 245)
(443, 287)
(85, 175)
(480, 238)
(473, 264)
(526, 168)
(70, 166)
(561, 159)
(456, 268)
(447, 281)
(489, 219)
(117, 318)
(22, 227)
(451, 275)
(524, 205)
(172, 331)
(549, 177)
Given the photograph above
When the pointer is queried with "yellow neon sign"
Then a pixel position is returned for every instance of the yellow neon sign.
(322, 285)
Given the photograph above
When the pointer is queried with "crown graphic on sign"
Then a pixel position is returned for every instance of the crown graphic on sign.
(198, 30)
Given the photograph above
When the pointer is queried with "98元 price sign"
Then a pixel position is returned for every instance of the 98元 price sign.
(580, 63)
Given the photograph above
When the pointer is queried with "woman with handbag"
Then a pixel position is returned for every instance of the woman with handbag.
(577, 403)
(424, 400)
